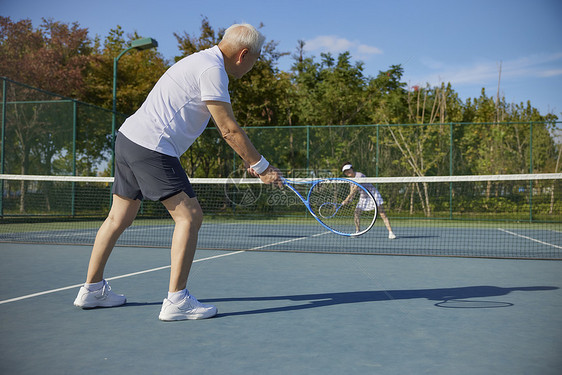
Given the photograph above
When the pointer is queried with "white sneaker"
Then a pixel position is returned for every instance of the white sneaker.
(103, 297)
(391, 236)
(188, 308)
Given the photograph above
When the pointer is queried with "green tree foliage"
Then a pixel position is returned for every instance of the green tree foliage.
(492, 147)
(137, 72)
(207, 38)
(53, 57)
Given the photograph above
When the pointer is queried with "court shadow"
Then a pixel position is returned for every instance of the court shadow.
(441, 296)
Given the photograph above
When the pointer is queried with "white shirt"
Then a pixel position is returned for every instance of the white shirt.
(174, 114)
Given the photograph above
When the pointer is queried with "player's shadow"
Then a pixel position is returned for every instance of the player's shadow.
(445, 297)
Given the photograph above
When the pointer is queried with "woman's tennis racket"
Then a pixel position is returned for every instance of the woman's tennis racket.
(342, 206)
(328, 210)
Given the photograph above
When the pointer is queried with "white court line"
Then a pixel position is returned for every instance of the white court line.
(530, 238)
(150, 270)
(293, 240)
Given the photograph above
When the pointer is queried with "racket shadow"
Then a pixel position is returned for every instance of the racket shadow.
(330, 299)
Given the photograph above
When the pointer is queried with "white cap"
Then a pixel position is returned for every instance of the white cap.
(346, 167)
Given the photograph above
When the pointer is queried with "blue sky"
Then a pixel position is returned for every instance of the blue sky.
(459, 41)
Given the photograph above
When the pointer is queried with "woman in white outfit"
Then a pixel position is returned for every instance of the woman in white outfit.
(365, 204)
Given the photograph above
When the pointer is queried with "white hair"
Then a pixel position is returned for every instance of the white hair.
(244, 35)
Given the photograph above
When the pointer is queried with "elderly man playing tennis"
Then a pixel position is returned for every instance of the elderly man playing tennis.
(148, 147)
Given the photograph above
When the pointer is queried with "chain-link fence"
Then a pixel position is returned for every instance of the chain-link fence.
(46, 134)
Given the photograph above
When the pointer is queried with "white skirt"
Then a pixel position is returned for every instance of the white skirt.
(367, 204)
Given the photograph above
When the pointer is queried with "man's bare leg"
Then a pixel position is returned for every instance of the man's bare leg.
(123, 212)
(188, 216)
(180, 304)
(96, 292)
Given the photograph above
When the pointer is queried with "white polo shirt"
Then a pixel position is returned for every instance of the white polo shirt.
(174, 114)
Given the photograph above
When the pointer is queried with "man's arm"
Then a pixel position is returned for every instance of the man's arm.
(237, 138)
(232, 133)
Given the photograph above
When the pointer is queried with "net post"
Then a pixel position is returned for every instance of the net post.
(531, 171)
(3, 146)
(451, 171)
(74, 121)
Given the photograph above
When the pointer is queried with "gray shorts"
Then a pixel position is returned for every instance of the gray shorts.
(143, 173)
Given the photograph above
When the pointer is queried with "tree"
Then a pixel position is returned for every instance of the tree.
(138, 72)
(53, 57)
(333, 91)
(207, 38)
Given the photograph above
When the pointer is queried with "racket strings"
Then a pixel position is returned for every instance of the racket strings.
(328, 210)
(333, 204)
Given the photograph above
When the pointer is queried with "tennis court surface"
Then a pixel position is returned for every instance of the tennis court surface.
(283, 312)
(442, 239)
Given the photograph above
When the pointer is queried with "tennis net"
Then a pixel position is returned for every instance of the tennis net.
(498, 216)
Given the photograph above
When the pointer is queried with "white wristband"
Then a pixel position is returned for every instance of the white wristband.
(260, 166)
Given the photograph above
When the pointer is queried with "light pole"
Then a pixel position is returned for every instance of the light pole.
(138, 44)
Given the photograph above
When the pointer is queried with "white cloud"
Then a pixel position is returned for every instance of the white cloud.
(487, 71)
(551, 73)
(336, 45)
(368, 50)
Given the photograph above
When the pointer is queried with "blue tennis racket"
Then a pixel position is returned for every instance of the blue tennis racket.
(342, 206)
